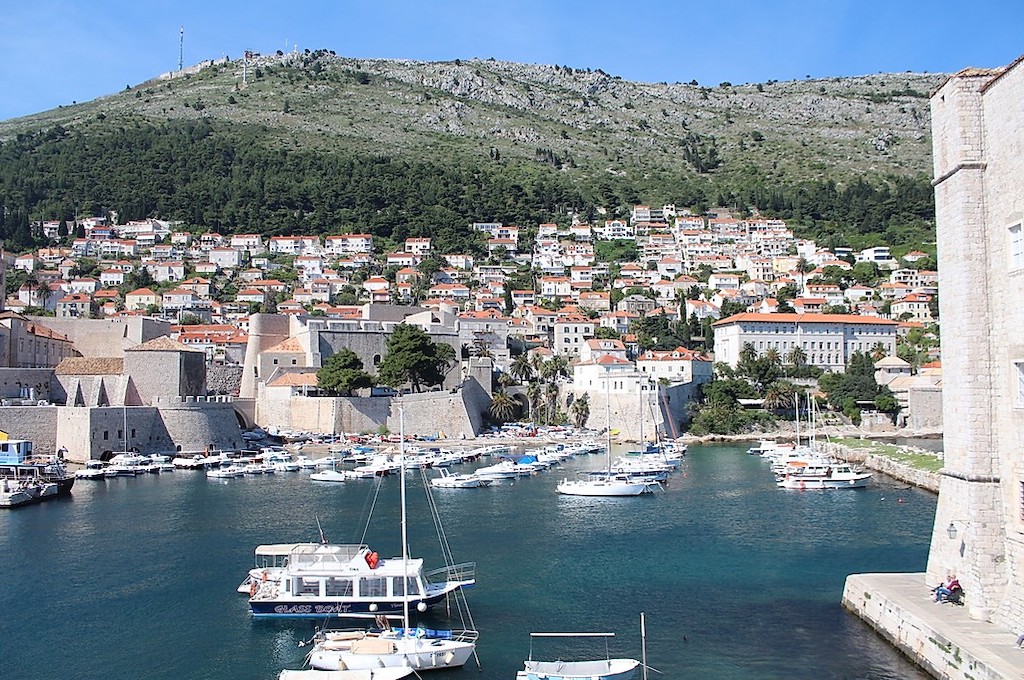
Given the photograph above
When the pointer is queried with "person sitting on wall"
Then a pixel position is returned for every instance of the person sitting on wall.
(944, 592)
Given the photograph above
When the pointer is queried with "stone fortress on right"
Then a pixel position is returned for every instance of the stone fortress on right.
(978, 150)
(978, 535)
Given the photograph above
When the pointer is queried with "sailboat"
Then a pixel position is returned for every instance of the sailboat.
(606, 482)
(409, 647)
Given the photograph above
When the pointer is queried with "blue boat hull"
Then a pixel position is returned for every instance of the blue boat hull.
(298, 609)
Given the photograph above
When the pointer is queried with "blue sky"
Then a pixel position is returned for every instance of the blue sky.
(58, 51)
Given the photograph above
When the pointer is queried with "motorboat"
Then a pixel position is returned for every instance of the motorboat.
(326, 579)
(378, 466)
(509, 469)
(408, 646)
(591, 669)
(329, 476)
(447, 480)
(26, 478)
(194, 462)
(826, 476)
(127, 464)
(226, 472)
(762, 447)
(161, 462)
(306, 463)
(94, 469)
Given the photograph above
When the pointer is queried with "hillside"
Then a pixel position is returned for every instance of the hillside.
(586, 136)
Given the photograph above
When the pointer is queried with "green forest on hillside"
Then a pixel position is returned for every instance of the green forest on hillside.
(219, 176)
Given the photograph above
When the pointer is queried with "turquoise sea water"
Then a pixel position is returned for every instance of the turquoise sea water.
(135, 578)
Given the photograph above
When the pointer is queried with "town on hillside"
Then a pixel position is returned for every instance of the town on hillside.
(553, 321)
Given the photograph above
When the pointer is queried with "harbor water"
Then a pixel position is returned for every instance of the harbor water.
(135, 578)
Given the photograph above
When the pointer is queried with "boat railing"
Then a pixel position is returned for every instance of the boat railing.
(317, 555)
(464, 572)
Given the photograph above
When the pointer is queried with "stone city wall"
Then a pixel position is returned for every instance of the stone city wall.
(907, 625)
(35, 423)
(223, 379)
(198, 426)
(37, 380)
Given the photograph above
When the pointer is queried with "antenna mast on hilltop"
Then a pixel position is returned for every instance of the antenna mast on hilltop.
(181, 48)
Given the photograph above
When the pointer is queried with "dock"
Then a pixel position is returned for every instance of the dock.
(942, 639)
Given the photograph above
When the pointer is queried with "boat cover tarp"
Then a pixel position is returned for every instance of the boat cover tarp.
(373, 645)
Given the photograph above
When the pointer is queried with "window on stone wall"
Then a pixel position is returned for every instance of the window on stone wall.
(1020, 383)
(1016, 247)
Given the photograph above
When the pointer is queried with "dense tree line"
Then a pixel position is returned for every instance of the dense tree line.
(228, 177)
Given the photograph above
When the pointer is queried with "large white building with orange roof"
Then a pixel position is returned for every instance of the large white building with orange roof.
(827, 340)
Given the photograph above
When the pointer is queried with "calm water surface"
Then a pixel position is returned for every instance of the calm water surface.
(135, 578)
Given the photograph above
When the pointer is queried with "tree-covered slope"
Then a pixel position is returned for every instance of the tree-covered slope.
(313, 142)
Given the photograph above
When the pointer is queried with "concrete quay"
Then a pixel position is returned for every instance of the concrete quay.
(942, 639)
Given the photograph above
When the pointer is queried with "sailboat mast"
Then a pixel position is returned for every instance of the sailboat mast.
(608, 416)
(643, 642)
(641, 419)
(405, 531)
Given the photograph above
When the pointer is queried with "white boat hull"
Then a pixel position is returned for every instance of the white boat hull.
(375, 674)
(419, 654)
(605, 669)
(801, 483)
(603, 488)
(328, 476)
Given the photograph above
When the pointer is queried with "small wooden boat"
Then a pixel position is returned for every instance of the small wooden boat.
(597, 669)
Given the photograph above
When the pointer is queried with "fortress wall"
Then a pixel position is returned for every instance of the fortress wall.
(192, 426)
(35, 423)
(39, 380)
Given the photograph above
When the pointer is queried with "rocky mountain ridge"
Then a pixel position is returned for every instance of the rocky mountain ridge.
(577, 120)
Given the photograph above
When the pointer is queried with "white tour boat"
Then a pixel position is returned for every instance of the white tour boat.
(826, 476)
(405, 647)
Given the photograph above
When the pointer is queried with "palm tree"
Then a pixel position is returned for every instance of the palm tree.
(878, 351)
(778, 396)
(802, 268)
(773, 356)
(533, 393)
(561, 365)
(537, 360)
(748, 353)
(521, 368)
(503, 406)
(551, 402)
(548, 370)
(797, 356)
(506, 379)
(580, 411)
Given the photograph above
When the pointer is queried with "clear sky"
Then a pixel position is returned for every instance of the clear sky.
(58, 51)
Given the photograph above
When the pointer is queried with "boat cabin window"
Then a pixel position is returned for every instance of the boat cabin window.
(396, 586)
(339, 587)
(308, 586)
(373, 586)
